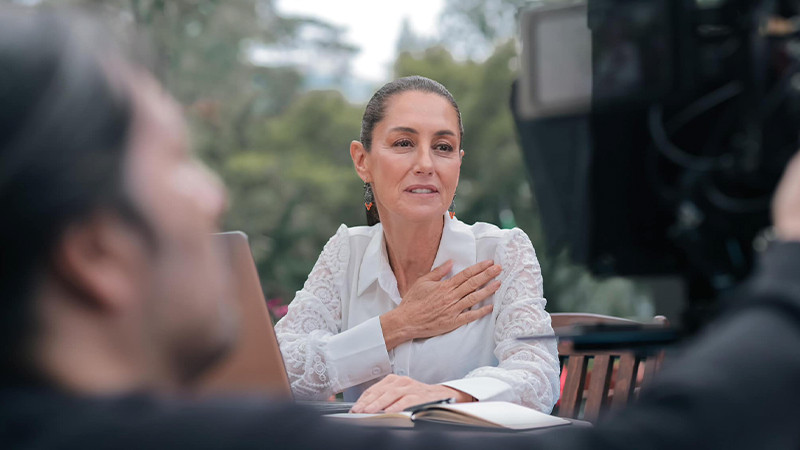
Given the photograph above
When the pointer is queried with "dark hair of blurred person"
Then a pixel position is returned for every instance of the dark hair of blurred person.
(106, 216)
(57, 104)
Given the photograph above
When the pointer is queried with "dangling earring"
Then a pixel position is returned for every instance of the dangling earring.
(369, 198)
(452, 208)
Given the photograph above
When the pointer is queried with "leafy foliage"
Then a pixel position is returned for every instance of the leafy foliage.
(283, 152)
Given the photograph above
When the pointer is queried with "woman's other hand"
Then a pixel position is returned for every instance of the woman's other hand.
(395, 393)
(432, 307)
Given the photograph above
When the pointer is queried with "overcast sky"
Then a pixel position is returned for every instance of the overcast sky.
(371, 25)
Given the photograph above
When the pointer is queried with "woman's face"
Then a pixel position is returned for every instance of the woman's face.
(415, 158)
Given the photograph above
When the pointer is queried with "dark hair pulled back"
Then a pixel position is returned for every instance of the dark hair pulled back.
(376, 111)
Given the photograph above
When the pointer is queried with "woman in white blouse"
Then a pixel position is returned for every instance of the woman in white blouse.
(419, 306)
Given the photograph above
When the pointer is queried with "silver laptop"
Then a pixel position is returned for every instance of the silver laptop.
(256, 363)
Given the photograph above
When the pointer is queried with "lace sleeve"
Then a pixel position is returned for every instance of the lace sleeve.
(531, 369)
(314, 316)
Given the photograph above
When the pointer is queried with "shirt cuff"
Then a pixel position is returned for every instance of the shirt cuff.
(359, 354)
(483, 388)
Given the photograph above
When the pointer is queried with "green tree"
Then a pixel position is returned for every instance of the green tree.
(295, 185)
(472, 28)
(282, 153)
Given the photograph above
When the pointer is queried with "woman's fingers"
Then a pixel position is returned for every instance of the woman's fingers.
(395, 393)
(431, 307)
(475, 282)
(468, 315)
(368, 396)
(373, 397)
(472, 315)
(470, 300)
(405, 401)
(387, 398)
(439, 272)
(461, 277)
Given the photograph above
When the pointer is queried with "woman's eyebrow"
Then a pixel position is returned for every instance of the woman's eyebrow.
(412, 130)
(404, 130)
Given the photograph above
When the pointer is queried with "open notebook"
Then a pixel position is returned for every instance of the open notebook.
(499, 415)
(256, 363)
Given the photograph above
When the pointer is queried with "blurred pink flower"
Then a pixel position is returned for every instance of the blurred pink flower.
(277, 308)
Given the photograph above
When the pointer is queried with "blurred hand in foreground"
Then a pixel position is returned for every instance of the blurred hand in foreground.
(786, 203)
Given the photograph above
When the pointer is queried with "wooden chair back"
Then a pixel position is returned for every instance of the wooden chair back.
(592, 384)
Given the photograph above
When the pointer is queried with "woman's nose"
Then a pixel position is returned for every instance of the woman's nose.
(423, 162)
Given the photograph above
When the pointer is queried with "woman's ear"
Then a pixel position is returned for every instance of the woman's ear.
(461, 153)
(359, 156)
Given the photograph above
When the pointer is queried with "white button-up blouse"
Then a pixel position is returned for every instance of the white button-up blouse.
(331, 337)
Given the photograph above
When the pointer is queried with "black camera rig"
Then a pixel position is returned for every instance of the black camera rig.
(655, 132)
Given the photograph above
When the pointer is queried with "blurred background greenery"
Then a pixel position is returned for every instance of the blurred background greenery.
(281, 146)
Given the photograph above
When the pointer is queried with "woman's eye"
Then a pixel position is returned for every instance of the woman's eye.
(444, 147)
(403, 143)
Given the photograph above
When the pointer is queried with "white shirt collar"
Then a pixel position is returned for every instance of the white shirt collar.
(458, 244)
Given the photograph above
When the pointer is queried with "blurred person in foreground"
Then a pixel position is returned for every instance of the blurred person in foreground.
(419, 306)
(109, 289)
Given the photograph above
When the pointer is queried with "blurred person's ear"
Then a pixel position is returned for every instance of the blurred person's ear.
(103, 262)
(359, 155)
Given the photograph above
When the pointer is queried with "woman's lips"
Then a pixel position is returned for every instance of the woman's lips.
(422, 189)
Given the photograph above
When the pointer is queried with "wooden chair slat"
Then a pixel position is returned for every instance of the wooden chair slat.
(596, 395)
(602, 368)
(573, 387)
(626, 380)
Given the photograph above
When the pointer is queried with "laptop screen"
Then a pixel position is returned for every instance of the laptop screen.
(255, 363)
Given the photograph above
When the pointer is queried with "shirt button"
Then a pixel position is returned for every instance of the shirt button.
(376, 370)
(402, 372)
